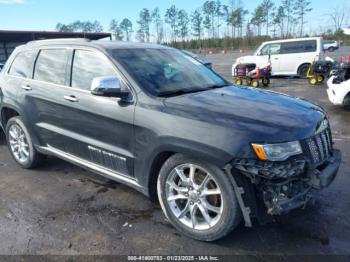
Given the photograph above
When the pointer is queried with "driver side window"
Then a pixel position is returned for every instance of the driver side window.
(86, 66)
(273, 49)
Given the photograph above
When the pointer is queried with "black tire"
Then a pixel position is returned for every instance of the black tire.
(35, 158)
(346, 101)
(302, 71)
(2, 137)
(313, 80)
(231, 214)
(238, 82)
(265, 82)
(331, 49)
(320, 79)
(255, 83)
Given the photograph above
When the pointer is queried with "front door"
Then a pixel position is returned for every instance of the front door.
(270, 53)
(98, 129)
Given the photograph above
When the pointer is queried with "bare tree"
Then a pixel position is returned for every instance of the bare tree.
(288, 9)
(338, 17)
(158, 23)
(301, 8)
(171, 16)
(267, 5)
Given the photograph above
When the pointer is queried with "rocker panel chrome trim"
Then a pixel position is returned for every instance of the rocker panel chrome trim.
(91, 166)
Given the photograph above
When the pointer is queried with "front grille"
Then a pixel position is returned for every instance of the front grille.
(320, 147)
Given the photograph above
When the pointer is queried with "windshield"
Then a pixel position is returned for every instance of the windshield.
(166, 72)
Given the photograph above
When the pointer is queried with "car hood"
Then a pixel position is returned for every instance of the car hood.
(260, 115)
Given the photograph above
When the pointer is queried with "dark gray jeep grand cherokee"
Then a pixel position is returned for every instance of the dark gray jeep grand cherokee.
(161, 122)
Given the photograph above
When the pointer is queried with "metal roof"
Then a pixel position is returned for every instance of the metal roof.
(26, 36)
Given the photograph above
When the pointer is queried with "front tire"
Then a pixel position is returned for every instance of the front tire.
(197, 198)
(20, 144)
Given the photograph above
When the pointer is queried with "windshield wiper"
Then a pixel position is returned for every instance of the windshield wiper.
(217, 86)
(188, 91)
(181, 92)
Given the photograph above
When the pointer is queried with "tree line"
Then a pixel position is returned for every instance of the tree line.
(214, 24)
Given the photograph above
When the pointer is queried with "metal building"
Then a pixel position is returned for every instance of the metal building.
(9, 40)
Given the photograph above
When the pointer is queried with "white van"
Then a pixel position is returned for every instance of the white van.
(288, 57)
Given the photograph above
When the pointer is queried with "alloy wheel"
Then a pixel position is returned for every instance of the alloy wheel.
(18, 144)
(194, 197)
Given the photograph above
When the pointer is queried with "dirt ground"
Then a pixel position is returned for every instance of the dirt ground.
(62, 209)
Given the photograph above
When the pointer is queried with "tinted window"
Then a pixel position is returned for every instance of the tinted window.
(22, 65)
(51, 66)
(299, 47)
(167, 72)
(86, 66)
(273, 49)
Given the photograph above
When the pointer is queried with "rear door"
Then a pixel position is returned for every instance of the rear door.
(44, 96)
(296, 53)
(21, 69)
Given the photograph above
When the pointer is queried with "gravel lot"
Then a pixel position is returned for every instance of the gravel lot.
(62, 209)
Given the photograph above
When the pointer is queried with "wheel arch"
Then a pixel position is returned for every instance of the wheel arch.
(6, 113)
(161, 154)
(301, 65)
(346, 99)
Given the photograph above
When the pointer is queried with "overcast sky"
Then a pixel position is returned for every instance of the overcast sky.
(45, 14)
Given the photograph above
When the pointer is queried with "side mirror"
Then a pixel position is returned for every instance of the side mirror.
(109, 86)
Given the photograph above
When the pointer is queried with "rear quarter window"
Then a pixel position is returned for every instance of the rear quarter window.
(22, 65)
(51, 66)
(299, 47)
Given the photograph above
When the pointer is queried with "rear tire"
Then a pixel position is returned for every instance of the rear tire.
(302, 71)
(20, 144)
(203, 205)
(331, 49)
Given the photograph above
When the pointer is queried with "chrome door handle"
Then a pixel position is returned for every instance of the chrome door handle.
(26, 87)
(276, 58)
(71, 98)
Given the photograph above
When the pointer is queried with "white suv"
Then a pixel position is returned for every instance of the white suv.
(288, 57)
(330, 45)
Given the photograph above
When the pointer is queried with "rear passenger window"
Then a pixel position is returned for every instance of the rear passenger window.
(22, 65)
(86, 66)
(51, 66)
(299, 47)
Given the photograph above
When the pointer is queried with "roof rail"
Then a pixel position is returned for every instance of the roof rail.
(58, 40)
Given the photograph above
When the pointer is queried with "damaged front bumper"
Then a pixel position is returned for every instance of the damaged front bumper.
(281, 187)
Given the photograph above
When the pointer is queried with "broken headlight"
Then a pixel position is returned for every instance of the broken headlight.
(277, 152)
